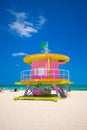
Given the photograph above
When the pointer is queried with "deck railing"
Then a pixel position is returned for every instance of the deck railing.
(51, 73)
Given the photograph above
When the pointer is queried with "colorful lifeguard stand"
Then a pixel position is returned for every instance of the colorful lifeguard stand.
(45, 70)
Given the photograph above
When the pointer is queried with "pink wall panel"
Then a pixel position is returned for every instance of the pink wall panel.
(55, 71)
(44, 64)
(38, 64)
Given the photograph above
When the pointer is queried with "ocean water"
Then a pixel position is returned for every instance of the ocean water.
(22, 87)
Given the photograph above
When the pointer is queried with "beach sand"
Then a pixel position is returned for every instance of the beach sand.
(66, 114)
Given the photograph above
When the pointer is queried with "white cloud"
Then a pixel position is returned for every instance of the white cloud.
(19, 16)
(24, 27)
(42, 20)
(19, 54)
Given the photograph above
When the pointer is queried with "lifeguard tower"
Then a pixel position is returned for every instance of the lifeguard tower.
(44, 72)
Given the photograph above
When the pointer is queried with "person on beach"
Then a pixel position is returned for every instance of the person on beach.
(15, 90)
(2, 89)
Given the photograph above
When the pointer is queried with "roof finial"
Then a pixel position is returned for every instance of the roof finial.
(44, 46)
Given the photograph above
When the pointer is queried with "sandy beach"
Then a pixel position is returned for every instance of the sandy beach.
(66, 114)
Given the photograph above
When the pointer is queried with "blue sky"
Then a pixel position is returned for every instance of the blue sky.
(25, 24)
